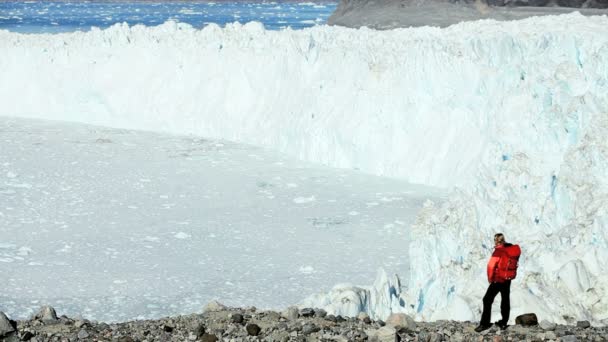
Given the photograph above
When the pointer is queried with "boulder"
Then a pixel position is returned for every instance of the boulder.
(401, 320)
(214, 305)
(320, 313)
(307, 312)
(5, 325)
(546, 325)
(253, 329)
(237, 318)
(384, 334)
(291, 313)
(209, 338)
(527, 319)
(46, 314)
(362, 315)
(583, 324)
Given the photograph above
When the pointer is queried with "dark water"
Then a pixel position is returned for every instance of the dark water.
(65, 16)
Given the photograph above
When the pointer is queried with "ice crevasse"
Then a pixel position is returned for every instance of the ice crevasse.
(511, 115)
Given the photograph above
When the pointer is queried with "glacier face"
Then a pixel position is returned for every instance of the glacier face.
(512, 114)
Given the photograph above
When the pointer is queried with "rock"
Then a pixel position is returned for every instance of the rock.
(26, 336)
(291, 313)
(167, 328)
(546, 325)
(199, 331)
(527, 319)
(401, 320)
(568, 338)
(310, 328)
(46, 314)
(208, 338)
(83, 334)
(307, 312)
(79, 323)
(5, 325)
(583, 324)
(272, 315)
(550, 335)
(237, 318)
(362, 315)
(214, 305)
(331, 318)
(384, 334)
(320, 313)
(253, 329)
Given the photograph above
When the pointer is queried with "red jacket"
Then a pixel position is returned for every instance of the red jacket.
(503, 263)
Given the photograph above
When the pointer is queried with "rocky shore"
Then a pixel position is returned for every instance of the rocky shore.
(220, 323)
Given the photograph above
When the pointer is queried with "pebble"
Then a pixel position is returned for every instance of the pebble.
(215, 325)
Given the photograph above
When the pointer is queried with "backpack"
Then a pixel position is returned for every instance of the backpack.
(508, 263)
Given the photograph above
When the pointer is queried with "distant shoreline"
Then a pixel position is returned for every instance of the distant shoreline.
(389, 14)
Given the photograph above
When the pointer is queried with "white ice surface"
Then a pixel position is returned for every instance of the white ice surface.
(514, 114)
(114, 224)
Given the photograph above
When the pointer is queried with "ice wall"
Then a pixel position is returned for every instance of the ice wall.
(513, 113)
(388, 103)
(541, 181)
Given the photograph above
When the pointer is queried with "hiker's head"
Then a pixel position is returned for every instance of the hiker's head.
(499, 239)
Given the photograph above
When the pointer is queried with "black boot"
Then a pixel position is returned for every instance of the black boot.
(482, 327)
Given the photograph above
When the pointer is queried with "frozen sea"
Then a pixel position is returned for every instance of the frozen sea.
(66, 16)
(118, 224)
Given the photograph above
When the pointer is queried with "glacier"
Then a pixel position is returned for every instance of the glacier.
(511, 116)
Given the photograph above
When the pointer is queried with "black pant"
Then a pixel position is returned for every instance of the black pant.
(488, 299)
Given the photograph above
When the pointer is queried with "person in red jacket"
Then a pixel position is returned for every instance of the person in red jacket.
(502, 268)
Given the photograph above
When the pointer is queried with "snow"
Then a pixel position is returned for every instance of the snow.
(511, 116)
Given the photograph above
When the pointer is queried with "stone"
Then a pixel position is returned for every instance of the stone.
(527, 319)
(237, 318)
(384, 334)
(550, 335)
(307, 312)
(253, 329)
(213, 306)
(79, 323)
(208, 338)
(167, 328)
(272, 315)
(401, 320)
(331, 318)
(320, 313)
(362, 315)
(46, 314)
(5, 325)
(568, 338)
(83, 334)
(199, 331)
(546, 325)
(291, 313)
(583, 324)
(310, 328)
(26, 336)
